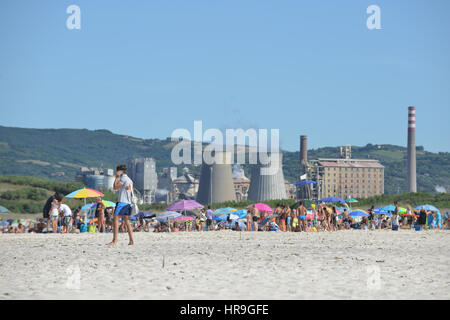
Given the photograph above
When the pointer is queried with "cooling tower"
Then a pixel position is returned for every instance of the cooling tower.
(216, 182)
(411, 169)
(267, 187)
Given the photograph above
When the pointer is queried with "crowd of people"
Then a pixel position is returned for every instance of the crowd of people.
(58, 217)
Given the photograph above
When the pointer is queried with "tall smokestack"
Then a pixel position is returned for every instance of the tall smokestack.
(411, 169)
(303, 154)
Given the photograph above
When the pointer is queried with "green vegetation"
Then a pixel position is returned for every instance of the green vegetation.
(441, 200)
(30, 197)
(58, 153)
(35, 191)
(61, 187)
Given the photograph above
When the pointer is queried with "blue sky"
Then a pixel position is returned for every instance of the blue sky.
(145, 68)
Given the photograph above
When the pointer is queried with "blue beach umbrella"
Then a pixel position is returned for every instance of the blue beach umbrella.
(359, 213)
(220, 218)
(380, 210)
(225, 210)
(333, 200)
(268, 218)
(167, 215)
(241, 213)
(427, 207)
(390, 207)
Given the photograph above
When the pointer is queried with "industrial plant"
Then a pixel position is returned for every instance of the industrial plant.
(342, 177)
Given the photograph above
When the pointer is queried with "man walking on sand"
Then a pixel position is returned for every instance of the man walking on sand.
(123, 207)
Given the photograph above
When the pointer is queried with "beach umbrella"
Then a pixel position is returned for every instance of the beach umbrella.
(3, 210)
(84, 193)
(309, 215)
(220, 218)
(427, 207)
(224, 210)
(332, 200)
(167, 215)
(262, 207)
(145, 214)
(351, 200)
(308, 204)
(359, 213)
(241, 225)
(183, 218)
(410, 215)
(241, 213)
(268, 218)
(389, 208)
(94, 205)
(380, 210)
(234, 216)
(184, 205)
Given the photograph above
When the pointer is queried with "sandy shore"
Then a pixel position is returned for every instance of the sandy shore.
(349, 264)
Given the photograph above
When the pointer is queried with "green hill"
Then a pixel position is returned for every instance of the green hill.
(58, 153)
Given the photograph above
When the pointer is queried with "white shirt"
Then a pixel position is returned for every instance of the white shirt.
(124, 193)
(66, 210)
(55, 210)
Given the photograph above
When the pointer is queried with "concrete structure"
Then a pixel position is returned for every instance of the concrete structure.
(143, 173)
(241, 182)
(303, 191)
(267, 187)
(303, 154)
(184, 187)
(216, 181)
(347, 178)
(95, 178)
(411, 179)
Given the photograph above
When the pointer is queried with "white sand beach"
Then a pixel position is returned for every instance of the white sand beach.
(351, 264)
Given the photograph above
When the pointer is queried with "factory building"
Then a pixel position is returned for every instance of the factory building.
(145, 180)
(344, 177)
(350, 178)
(95, 178)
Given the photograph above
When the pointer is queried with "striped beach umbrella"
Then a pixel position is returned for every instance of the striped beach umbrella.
(84, 193)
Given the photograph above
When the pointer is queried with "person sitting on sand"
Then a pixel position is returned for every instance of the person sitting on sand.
(20, 228)
(40, 226)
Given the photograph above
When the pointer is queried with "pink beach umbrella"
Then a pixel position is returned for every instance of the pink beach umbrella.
(262, 207)
(184, 218)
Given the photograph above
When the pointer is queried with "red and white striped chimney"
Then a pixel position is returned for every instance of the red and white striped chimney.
(411, 169)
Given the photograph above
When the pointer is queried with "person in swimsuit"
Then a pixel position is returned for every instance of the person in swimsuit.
(288, 219)
(100, 214)
(249, 221)
(255, 213)
(302, 216)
